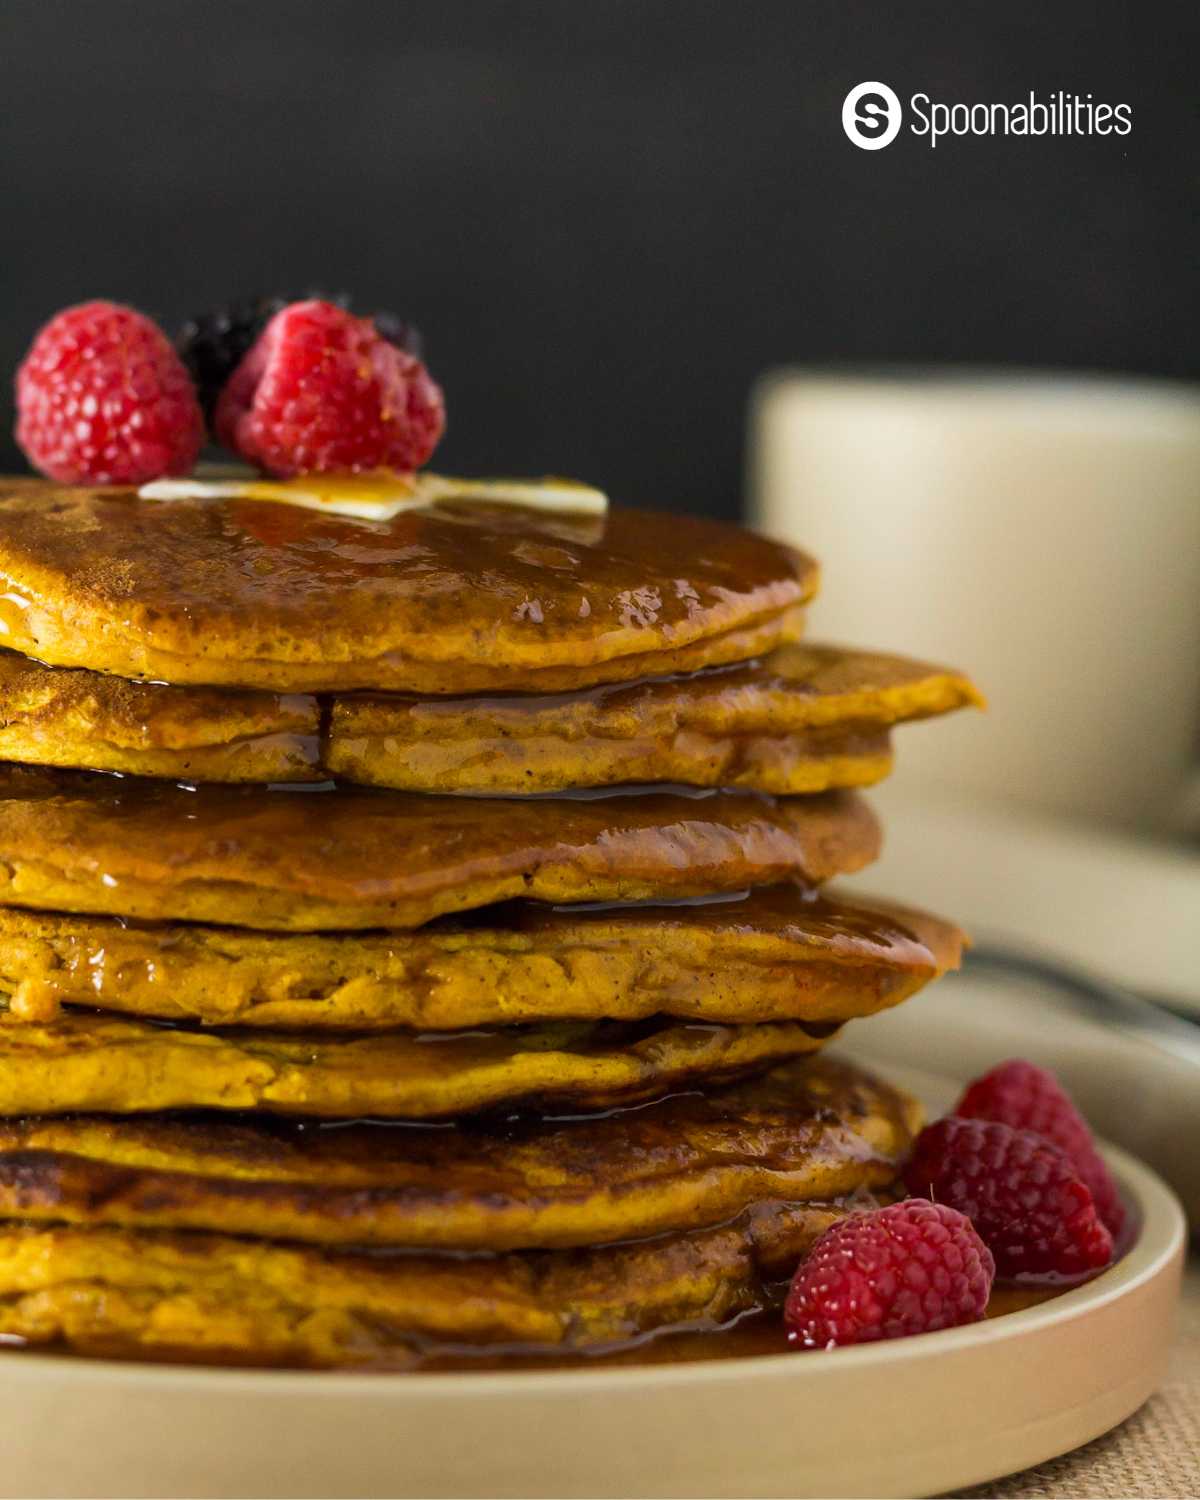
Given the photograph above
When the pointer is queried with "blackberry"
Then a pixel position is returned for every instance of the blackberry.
(397, 332)
(213, 344)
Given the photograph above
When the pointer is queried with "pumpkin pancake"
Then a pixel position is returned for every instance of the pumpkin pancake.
(360, 858)
(56, 716)
(218, 1299)
(805, 719)
(84, 1062)
(452, 599)
(812, 1130)
(774, 954)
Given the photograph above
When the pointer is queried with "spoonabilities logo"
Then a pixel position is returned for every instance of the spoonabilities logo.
(871, 116)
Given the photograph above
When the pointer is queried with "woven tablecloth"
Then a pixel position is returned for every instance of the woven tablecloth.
(1155, 1453)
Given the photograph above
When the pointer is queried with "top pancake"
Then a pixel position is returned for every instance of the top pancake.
(451, 599)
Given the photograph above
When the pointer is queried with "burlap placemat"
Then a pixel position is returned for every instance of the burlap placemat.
(1156, 1453)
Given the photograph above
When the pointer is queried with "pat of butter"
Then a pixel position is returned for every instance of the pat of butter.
(379, 497)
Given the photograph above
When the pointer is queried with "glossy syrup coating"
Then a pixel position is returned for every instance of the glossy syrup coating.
(803, 719)
(220, 1299)
(117, 1278)
(357, 858)
(774, 954)
(96, 1062)
(810, 1130)
(63, 716)
(456, 598)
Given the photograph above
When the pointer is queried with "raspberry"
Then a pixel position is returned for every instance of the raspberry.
(1023, 1195)
(1027, 1097)
(102, 398)
(910, 1268)
(321, 391)
(213, 344)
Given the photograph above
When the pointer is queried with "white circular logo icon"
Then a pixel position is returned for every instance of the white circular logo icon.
(871, 116)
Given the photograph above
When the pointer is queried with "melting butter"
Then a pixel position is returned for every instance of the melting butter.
(379, 497)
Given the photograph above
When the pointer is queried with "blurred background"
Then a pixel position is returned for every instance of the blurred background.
(609, 218)
(642, 251)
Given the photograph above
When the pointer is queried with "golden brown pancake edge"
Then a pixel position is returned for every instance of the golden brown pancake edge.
(804, 719)
(815, 1129)
(443, 600)
(773, 954)
(92, 1062)
(357, 858)
(218, 1299)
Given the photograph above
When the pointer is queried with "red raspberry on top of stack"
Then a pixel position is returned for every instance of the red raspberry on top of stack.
(103, 398)
(324, 392)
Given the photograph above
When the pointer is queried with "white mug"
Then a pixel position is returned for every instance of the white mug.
(1042, 532)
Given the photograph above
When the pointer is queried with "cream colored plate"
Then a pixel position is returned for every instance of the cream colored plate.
(915, 1417)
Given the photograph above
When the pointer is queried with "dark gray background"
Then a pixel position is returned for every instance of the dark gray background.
(608, 217)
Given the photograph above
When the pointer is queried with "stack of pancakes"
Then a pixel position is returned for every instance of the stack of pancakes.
(441, 962)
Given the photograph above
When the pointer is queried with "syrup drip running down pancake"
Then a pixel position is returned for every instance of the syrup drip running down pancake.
(811, 1130)
(102, 1287)
(805, 719)
(457, 598)
(356, 858)
(775, 954)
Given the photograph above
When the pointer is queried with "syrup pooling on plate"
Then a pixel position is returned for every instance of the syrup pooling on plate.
(752, 1334)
